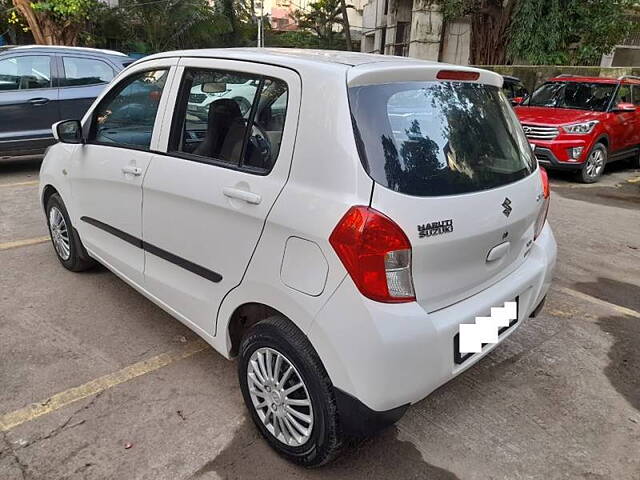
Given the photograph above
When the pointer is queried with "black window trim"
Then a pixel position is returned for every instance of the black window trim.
(109, 96)
(179, 112)
(62, 74)
(53, 70)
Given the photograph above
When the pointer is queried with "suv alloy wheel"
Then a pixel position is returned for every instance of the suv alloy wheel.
(594, 165)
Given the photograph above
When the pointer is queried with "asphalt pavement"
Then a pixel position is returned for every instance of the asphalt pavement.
(96, 382)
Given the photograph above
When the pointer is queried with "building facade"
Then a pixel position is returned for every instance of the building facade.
(414, 28)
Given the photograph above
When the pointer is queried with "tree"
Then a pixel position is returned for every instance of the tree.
(321, 18)
(56, 22)
(568, 31)
(541, 31)
(490, 20)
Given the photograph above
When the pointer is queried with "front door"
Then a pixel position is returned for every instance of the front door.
(206, 201)
(28, 104)
(107, 172)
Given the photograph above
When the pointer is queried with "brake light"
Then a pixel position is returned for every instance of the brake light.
(457, 75)
(546, 194)
(376, 253)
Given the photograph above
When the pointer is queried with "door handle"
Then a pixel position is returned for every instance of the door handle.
(249, 197)
(132, 170)
(36, 102)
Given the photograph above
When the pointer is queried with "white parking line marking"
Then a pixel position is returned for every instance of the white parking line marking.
(55, 402)
(23, 243)
(602, 303)
(20, 184)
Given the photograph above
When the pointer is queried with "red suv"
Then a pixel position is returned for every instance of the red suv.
(581, 123)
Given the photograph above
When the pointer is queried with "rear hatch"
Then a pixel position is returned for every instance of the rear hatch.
(453, 169)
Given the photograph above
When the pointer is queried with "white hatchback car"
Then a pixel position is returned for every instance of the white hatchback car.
(334, 244)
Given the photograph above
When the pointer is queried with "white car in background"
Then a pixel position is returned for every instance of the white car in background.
(241, 93)
(333, 237)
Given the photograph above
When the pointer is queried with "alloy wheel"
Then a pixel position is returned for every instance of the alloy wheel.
(59, 233)
(280, 397)
(595, 163)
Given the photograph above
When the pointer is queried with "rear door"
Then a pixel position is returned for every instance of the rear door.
(82, 79)
(624, 124)
(28, 103)
(454, 170)
(206, 200)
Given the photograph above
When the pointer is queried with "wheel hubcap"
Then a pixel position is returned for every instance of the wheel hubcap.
(280, 397)
(59, 233)
(595, 163)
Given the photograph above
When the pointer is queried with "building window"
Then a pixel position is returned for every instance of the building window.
(401, 45)
(383, 39)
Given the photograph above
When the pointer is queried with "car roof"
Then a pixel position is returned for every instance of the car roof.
(374, 67)
(57, 48)
(289, 56)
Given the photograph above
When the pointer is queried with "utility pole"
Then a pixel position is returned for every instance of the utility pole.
(345, 24)
(259, 4)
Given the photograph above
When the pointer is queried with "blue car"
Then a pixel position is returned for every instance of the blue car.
(40, 85)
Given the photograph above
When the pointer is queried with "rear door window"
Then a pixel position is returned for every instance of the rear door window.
(439, 138)
(85, 71)
(229, 118)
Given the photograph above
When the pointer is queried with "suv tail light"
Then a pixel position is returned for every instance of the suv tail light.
(546, 193)
(376, 253)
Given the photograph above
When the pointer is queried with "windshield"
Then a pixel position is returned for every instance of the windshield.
(574, 95)
(439, 138)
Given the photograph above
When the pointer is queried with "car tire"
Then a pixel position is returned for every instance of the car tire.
(320, 439)
(65, 239)
(594, 165)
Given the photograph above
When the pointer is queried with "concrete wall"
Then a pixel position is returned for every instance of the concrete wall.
(457, 42)
(534, 75)
(426, 30)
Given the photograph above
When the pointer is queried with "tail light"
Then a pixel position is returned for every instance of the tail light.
(376, 253)
(546, 193)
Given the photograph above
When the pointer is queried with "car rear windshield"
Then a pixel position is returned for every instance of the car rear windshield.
(573, 95)
(439, 138)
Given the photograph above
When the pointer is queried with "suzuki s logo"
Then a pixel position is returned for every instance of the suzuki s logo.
(507, 207)
(527, 130)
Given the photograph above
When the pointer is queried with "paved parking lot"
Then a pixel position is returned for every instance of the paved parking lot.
(97, 382)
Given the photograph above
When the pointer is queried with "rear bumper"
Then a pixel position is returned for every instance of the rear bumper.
(387, 356)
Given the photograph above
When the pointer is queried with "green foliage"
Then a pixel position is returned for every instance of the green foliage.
(293, 39)
(322, 18)
(70, 10)
(555, 31)
(568, 31)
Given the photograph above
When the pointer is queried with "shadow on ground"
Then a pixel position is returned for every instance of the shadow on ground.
(622, 195)
(19, 165)
(613, 291)
(624, 356)
(381, 457)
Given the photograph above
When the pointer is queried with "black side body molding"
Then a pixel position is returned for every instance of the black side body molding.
(158, 252)
(136, 242)
(358, 420)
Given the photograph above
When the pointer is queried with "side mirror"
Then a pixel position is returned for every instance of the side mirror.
(517, 101)
(68, 131)
(625, 107)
